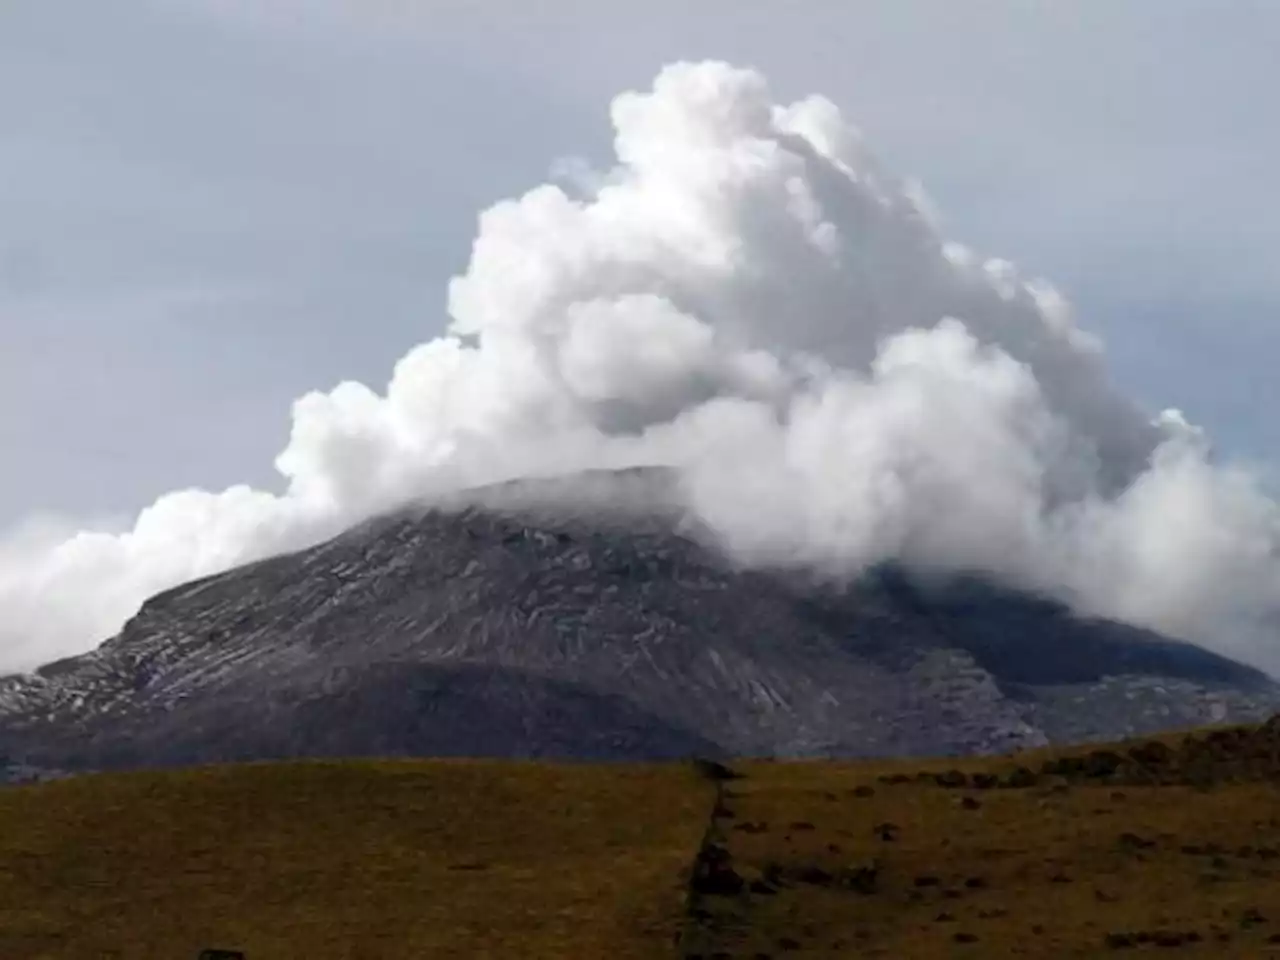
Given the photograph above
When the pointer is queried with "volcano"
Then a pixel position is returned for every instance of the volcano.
(587, 617)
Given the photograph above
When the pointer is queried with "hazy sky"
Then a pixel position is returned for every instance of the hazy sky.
(206, 210)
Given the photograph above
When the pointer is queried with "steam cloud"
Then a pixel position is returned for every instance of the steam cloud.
(747, 295)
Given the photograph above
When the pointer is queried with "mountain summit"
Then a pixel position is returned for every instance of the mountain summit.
(584, 617)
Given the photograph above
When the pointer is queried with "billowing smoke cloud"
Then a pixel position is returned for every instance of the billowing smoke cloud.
(749, 296)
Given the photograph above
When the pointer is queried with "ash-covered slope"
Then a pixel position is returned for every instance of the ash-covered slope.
(522, 626)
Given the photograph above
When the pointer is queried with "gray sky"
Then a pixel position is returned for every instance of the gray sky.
(207, 209)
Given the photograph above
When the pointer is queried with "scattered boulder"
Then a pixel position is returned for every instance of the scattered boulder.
(1153, 754)
(815, 876)
(1063, 767)
(888, 832)
(713, 874)
(1132, 841)
(1020, 779)
(1095, 765)
(722, 811)
(1251, 917)
(772, 873)
(714, 771)
(861, 878)
(1100, 764)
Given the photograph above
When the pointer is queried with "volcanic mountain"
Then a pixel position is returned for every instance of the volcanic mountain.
(587, 617)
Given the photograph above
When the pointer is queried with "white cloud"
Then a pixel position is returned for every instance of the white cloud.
(748, 295)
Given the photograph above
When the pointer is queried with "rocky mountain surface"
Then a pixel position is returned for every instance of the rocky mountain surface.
(584, 618)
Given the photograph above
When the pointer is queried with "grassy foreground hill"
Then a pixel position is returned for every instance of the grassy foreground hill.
(351, 860)
(1170, 844)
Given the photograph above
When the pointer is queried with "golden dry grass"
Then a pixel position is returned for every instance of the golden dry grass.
(490, 859)
(375, 860)
(1044, 871)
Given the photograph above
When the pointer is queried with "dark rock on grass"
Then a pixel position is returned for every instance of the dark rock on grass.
(1132, 841)
(815, 876)
(970, 803)
(1095, 765)
(1252, 917)
(713, 873)
(894, 779)
(1062, 767)
(963, 937)
(1153, 753)
(863, 791)
(722, 811)
(888, 832)
(718, 880)
(1020, 779)
(1174, 938)
(714, 770)
(951, 779)
(861, 879)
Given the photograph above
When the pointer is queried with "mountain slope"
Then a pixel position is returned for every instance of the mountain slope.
(582, 618)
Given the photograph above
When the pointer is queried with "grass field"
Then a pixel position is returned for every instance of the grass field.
(356, 860)
(1131, 849)
(1180, 852)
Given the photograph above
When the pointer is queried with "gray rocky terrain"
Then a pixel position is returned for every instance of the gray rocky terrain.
(543, 620)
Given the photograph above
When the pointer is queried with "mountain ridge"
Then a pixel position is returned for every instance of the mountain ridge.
(586, 617)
